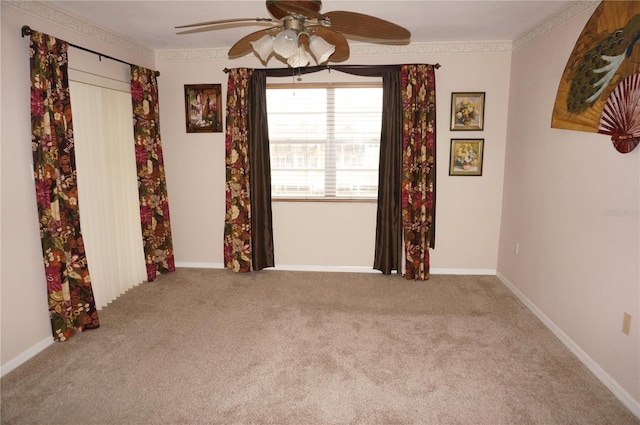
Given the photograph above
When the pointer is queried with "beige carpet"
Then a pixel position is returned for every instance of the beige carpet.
(214, 347)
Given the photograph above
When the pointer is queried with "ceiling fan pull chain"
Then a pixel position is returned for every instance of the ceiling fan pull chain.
(293, 82)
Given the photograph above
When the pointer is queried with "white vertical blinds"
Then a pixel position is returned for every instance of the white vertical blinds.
(107, 189)
(324, 140)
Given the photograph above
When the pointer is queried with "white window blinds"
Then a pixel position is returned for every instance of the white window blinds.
(324, 140)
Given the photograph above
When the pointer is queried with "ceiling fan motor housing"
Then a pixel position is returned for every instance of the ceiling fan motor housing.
(295, 24)
(313, 5)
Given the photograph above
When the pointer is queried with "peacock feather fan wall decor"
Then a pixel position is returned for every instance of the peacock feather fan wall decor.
(599, 89)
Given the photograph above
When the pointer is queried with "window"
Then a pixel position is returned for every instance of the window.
(324, 140)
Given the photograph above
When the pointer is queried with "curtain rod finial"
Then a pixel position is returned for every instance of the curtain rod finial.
(26, 30)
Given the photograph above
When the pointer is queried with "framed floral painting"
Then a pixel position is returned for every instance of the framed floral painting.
(467, 111)
(466, 157)
(203, 108)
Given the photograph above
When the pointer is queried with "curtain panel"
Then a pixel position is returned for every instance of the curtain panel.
(152, 185)
(418, 167)
(71, 301)
(237, 228)
(248, 231)
(262, 252)
(388, 248)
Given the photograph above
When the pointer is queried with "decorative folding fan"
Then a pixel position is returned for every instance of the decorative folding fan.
(604, 56)
(621, 115)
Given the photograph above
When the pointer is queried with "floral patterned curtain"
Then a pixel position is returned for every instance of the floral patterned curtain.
(152, 185)
(418, 167)
(71, 305)
(237, 228)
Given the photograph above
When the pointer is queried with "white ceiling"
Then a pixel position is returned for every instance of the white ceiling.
(151, 23)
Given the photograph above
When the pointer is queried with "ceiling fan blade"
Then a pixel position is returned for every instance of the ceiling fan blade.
(342, 51)
(226, 21)
(221, 27)
(367, 26)
(283, 8)
(243, 46)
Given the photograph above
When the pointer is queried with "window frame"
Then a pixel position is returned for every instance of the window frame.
(325, 85)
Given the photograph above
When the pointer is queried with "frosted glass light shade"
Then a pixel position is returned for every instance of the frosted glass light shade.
(263, 47)
(321, 49)
(286, 43)
(299, 59)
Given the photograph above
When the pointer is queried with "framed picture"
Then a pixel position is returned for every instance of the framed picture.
(466, 157)
(467, 111)
(203, 108)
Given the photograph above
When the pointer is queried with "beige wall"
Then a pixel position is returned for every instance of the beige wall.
(23, 311)
(329, 236)
(571, 203)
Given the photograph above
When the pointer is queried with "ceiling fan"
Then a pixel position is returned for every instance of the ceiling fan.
(298, 28)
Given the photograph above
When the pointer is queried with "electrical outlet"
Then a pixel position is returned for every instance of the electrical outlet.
(626, 323)
(516, 248)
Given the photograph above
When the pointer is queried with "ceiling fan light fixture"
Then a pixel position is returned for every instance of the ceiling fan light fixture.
(263, 47)
(286, 43)
(299, 59)
(299, 18)
(321, 49)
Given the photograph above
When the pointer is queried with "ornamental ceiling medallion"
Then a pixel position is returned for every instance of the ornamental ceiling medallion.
(599, 91)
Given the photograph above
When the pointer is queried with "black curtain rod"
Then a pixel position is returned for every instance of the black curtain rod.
(26, 30)
(362, 70)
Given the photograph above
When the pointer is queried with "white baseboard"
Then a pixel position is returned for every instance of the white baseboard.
(353, 269)
(345, 269)
(349, 269)
(622, 395)
(471, 272)
(188, 265)
(26, 355)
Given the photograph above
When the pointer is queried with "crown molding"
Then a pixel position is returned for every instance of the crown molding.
(57, 16)
(191, 54)
(434, 48)
(356, 50)
(566, 14)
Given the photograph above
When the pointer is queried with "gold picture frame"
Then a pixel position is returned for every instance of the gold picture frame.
(467, 111)
(467, 157)
(203, 108)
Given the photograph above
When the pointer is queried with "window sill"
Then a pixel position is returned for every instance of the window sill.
(335, 200)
